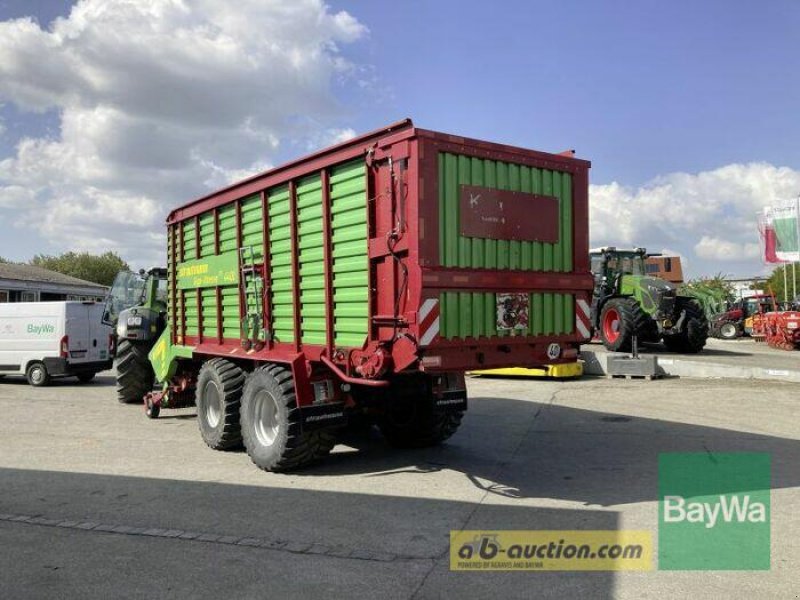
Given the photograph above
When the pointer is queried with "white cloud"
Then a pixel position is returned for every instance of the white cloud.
(16, 197)
(708, 217)
(712, 248)
(161, 100)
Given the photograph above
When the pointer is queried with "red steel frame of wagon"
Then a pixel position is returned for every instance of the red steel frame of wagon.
(431, 286)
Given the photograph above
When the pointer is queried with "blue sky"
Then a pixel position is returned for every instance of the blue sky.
(641, 88)
(687, 110)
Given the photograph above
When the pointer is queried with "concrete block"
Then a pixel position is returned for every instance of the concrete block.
(622, 365)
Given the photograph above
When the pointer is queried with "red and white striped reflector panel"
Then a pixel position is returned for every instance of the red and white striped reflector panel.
(428, 321)
(583, 321)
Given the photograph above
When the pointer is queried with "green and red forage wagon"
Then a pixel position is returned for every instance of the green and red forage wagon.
(369, 277)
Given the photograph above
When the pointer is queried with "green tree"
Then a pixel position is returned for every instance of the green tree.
(90, 267)
(775, 282)
(4, 260)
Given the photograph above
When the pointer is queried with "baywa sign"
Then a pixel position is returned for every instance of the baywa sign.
(714, 511)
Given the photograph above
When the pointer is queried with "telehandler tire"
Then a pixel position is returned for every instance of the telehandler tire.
(135, 376)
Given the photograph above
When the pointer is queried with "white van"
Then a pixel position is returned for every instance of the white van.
(41, 340)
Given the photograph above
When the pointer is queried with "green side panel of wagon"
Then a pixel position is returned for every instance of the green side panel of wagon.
(349, 267)
(311, 260)
(468, 314)
(350, 254)
(280, 249)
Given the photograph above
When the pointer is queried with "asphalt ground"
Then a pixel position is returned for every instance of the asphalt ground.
(97, 501)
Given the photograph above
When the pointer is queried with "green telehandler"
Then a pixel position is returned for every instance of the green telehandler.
(627, 302)
(136, 307)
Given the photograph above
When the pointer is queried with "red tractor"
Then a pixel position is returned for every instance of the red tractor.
(731, 323)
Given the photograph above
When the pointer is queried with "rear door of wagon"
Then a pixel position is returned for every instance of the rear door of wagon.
(510, 259)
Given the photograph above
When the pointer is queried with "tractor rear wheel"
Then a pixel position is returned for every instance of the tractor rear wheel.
(620, 320)
(694, 332)
(271, 428)
(135, 376)
(218, 398)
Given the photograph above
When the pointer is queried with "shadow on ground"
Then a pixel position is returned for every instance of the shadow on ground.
(341, 545)
(592, 457)
(60, 382)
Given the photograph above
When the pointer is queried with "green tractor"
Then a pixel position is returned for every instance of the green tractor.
(136, 307)
(627, 303)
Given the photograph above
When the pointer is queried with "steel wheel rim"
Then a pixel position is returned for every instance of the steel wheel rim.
(728, 330)
(212, 403)
(611, 325)
(266, 418)
(37, 375)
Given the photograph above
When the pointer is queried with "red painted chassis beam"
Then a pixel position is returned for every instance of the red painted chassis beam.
(506, 280)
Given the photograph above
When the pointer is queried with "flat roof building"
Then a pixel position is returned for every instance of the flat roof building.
(27, 283)
(665, 267)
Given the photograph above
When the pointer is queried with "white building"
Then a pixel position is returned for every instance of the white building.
(27, 283)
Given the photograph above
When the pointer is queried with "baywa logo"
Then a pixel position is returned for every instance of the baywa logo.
(43, 329)
(714, 511)
(728, 508)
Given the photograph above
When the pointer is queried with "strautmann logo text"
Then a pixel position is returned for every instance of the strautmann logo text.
(714, 511)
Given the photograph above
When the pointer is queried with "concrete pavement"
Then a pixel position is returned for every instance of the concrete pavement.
(742, 358)
(370, 521)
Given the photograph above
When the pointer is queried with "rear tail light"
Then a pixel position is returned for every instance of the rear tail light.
(64, 347)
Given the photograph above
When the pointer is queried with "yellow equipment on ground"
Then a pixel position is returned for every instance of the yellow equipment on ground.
(565, 371)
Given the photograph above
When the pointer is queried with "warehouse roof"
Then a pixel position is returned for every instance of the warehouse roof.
(38, 274)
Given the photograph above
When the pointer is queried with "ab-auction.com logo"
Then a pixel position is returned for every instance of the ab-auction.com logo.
(714, 511)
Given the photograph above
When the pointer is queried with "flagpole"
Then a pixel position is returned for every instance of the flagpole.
(797, 233)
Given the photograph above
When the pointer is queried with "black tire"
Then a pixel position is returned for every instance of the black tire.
(729, 331)
(218, 397)
(412, 420)
(37, 374)
(694, 331)
(271, 427)
(85, 377)
(135, 376)
(151, 410)
(632, 321)
(422, 427)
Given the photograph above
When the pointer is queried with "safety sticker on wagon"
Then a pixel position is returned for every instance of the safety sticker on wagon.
(512, 312)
